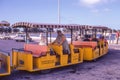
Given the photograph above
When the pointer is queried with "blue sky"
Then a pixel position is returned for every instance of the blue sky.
(89, 12)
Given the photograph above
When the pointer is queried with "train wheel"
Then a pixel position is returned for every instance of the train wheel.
(74, 68)
(46, 71)
(94, 60)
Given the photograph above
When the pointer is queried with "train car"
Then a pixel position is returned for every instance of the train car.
(36, 57)
(92, 50)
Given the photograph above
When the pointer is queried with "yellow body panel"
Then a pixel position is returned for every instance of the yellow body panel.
(22, 61)
(63, 60)
(26, 61)
(76, 57)
(57, 49)
(103, 49)
(81, 54)
(90, 54)
(45, 62)
(106, 49)
(14, 58)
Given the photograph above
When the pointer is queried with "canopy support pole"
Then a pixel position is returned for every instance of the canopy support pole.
(95, 32)
(80, 32)
(47, 37)
(26, 33)
(50, 35)
(71, 36)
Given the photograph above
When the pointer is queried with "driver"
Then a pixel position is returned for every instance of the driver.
(61, 40)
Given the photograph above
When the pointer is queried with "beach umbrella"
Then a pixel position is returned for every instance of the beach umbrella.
(4, 23)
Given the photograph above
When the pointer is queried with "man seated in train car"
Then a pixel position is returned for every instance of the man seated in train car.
(42, 39)
(94, 38)
(103, 41)
(61, 40)
(86, 38)
(74, 36)
(79, 37)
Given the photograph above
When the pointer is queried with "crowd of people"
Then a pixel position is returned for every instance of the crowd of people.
(79, 37)
(61, 39)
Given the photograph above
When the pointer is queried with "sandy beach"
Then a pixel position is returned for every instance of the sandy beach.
(105, 68)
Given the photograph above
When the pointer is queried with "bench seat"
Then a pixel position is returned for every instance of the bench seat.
(37, 50)
(82, 44)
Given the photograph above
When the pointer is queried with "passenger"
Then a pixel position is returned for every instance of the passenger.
(94, 38)
(117, 37)
(42, 39)
(103, 40)
(61, 40)
(86, 38)
(75, 35)
(79, 38)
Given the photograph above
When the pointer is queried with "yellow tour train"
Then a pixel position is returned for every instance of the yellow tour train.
(34, 57)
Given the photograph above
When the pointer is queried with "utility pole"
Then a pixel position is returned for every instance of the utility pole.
(58, 11)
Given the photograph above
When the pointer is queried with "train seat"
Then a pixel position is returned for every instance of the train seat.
(37, 50)
(80, 44)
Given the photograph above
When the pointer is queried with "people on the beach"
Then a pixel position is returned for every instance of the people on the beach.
(61, 40)
(117, 37)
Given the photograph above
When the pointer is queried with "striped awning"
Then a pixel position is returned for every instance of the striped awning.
(4, 23)
(100, 27)
(32, 25)
(69, 26)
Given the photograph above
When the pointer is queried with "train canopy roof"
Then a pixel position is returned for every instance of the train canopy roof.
(32, 25)
(69, 26)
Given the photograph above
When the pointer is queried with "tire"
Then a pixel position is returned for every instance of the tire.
(74, 68)
(94, 60)
(46, 71)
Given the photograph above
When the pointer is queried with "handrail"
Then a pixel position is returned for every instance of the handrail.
(5, 52)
